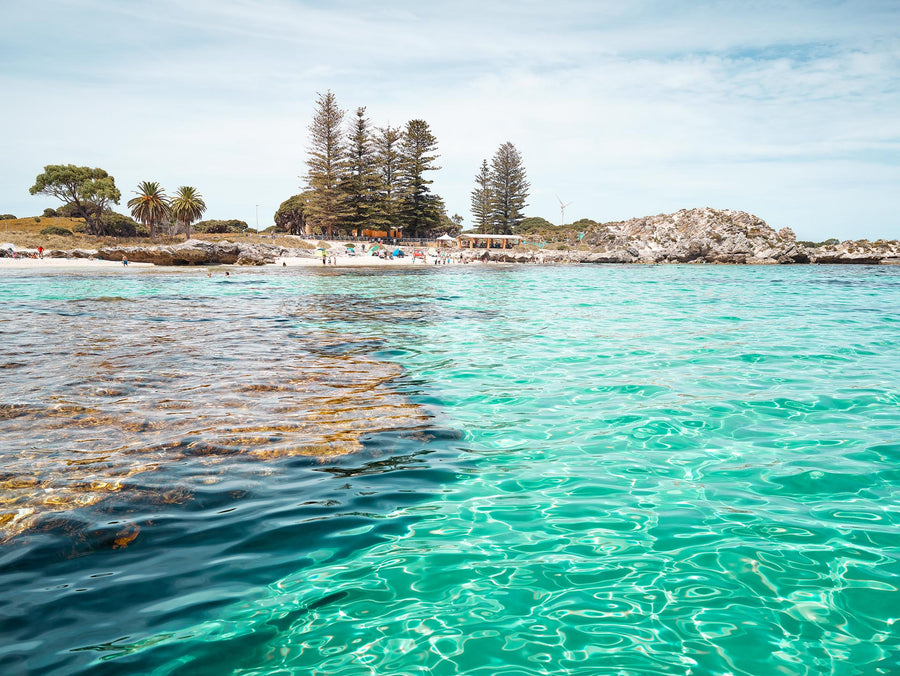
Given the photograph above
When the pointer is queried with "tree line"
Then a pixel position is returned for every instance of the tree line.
(500, 193)
(89, 193)
(360, 179)
(364, 178)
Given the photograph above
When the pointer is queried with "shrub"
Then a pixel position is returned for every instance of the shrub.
(219, 227)
(7, 217)
(69, 211)
(37, 219)
(828, 242)
(120, 225)
(533, 224)
(50, 213)
(79, 227)
(585, 224)
(56, 230)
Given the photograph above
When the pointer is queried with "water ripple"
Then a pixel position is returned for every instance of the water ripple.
(647, 470)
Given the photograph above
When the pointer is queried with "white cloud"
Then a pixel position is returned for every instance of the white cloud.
(623, 108)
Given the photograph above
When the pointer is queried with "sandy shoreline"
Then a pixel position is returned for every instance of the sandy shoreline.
(356, 262)
(64, 263)
(82, 264)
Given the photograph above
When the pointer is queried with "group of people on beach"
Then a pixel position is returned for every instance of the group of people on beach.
(15, 254)
(445, 257)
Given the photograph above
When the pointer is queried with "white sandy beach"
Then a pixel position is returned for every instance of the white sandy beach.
(357, 262)
(64, 264)
(84, 264)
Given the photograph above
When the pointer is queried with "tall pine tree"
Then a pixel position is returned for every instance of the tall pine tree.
(388, 160)
(481, 199)
(327, 166)
(361, 182)
(421, 208)
(509, 188)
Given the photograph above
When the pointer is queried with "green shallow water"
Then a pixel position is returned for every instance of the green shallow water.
(626, 470)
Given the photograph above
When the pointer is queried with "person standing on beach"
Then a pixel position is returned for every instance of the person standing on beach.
(41, 251)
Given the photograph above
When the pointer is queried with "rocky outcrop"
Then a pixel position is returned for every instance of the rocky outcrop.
(859, 252)
(687, 236)
(697, 235)
(196, 252)
(71, 253)
(719, 236)
(703, 236)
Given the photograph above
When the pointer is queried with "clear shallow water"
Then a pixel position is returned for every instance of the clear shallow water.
(508, 470)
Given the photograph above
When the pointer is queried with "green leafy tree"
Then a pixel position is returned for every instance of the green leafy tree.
(292, 215)
(362, 182)
(326, 165)
(151, 206)
(120, 225)
(187, 206)
(388, 160)
(450, 225)
(69, 210)
(509, 187)
(421, 210)
(482, 199)
(90, 190)
(221, 226)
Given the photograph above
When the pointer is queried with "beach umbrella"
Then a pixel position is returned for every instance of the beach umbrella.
(374, 247)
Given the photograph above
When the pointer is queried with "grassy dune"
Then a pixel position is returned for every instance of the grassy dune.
(26, 232)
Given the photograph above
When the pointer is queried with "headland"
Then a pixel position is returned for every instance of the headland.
(696, 236)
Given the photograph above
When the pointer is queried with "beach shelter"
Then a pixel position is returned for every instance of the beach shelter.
(445, 238)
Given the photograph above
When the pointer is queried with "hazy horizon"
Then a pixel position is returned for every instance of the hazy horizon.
(787, 111)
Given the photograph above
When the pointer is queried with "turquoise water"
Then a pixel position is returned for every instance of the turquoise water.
(556, 470)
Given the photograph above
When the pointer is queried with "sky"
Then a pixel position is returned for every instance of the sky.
(787, 110)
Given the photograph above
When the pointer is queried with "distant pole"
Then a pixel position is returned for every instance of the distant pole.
(562, 211)
(257, 219)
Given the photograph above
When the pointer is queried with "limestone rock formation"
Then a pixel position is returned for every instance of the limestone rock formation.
(196, 252)
(860, 252)
(697, 235)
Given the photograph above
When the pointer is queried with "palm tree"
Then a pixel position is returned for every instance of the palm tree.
(187, 206)
(151, 206)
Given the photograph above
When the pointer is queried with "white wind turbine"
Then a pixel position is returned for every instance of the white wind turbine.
(562, 211)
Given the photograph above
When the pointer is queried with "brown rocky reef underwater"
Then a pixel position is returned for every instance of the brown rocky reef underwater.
(102, 423)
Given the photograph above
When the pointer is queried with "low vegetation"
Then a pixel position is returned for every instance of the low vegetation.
(57, 230)
(48, 233)
(221, 226)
